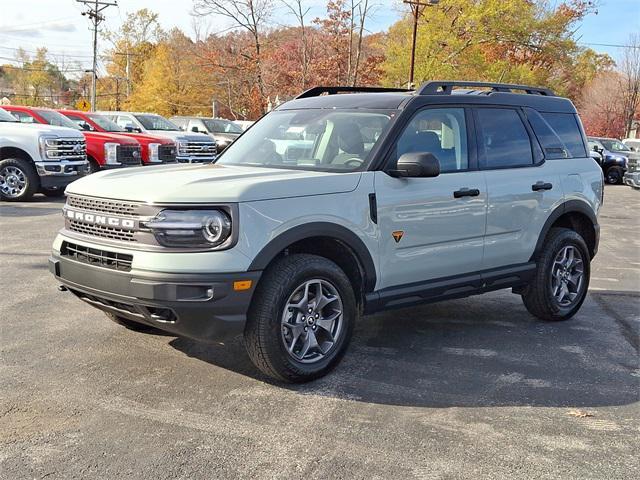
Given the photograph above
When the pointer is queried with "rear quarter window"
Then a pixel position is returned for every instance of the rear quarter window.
(565, 125)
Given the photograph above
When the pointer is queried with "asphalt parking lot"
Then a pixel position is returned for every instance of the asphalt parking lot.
(474, 388)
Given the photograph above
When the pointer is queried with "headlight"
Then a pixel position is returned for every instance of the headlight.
(111, 153)
(181, 145)
(191, 228)
(153, 152)
(49, 147)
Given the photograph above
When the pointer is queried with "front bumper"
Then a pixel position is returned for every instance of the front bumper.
(199, 306)
(188, 159)
(632, 179)
(60, 174)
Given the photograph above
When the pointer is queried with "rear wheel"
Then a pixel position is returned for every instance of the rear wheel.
(614, 176)
(562, 277)
(301, 318)
(18, 180)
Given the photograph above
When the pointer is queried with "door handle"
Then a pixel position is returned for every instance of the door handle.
(541, 186)
(466, 192)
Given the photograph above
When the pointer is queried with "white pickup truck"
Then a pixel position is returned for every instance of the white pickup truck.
(38, 158)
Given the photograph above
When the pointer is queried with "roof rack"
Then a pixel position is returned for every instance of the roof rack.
(317, 91)
(445, 87)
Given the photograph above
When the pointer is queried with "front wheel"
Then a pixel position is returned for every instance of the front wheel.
(18, 180)
(301, 318)
(614, 176)
(562, 277)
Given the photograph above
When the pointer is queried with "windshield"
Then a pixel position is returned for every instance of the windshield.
(615, 146)
(57, 119)
(156, 122)
(221, 126)
(105, 123)
(322, 140)
(6, 116)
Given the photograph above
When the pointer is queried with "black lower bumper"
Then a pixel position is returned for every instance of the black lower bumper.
(199, 306)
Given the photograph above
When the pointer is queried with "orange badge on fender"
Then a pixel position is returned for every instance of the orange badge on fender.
(397, 235)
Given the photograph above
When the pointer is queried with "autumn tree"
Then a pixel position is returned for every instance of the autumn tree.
(629, 82)
(132, 45)
(601, 106)
(248, 15)
(519, 41)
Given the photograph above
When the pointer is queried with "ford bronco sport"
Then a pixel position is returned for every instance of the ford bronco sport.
(341, 202)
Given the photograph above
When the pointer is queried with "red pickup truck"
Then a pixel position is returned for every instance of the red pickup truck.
(155, 150)
(104, 150)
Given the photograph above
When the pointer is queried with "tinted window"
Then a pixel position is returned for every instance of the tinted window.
(81, 122)
(57, 119)
(566, 126)
(503, 138)
(553, 147)
(440, 131)
(156, 122)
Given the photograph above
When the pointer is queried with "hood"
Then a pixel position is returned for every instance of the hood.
(40, 128)
(145, 139)
(109, 137)
(210, 184)
(175, 134)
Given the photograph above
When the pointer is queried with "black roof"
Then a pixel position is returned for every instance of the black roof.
(436, 93)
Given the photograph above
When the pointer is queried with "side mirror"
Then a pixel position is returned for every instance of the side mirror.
(195, 129)
(416, 165)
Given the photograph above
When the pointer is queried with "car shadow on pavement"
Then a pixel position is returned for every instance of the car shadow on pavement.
(482, 351)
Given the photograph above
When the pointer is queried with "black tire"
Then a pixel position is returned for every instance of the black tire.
(131, 325)
(264, 337)
(92, 166)
(26, 173)
(538, 296)
(614, 176)
(53, 193)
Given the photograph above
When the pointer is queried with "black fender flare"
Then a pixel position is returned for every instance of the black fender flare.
(319, 229)
(569, 206)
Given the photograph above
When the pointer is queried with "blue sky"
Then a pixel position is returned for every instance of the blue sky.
(58, 25)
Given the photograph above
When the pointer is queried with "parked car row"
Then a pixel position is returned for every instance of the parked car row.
(96, 141)
(618, 159)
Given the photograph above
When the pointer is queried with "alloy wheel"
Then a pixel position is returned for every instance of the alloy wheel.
(13, 181)
(567, 276)
(312, 321)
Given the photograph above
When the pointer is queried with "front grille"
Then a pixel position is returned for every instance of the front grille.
(112, 233)
(98, 257)
(129, 154)
(167, 153)
(115, 207)
(66, 148)
(197, 149)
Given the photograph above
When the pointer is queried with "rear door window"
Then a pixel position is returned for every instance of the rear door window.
(504, 140)
(566, 127)
(553, 146)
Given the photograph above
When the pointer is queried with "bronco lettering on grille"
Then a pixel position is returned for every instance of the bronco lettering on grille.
(97, 219)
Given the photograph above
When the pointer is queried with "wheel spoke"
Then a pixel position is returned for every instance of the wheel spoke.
(310, 344)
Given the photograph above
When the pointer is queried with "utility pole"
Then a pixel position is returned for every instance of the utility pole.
(417, 7)
(93, 12)
(127, 68)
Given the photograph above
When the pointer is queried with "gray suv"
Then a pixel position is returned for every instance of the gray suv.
(342, 202)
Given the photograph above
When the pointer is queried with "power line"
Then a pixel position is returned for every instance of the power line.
(15, 28)
(55, 54)
(609, 45)
(95, 7)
